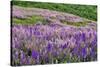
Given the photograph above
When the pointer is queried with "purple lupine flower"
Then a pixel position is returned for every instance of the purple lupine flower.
(92, 52)
(35, 54)
(37, 33)
(64, 46)
(94, 41)
(83, 36)
(16, 54)
(49, 47)
(75, 51)
(22, 57)
(84, 52)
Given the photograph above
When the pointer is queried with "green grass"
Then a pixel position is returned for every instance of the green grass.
(30, 20)
(76, 23)
(86, 11)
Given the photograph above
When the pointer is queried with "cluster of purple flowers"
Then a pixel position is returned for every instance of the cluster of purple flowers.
(42, 44)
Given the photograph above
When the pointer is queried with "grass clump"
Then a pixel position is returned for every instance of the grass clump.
(76, 23)
(29, 20)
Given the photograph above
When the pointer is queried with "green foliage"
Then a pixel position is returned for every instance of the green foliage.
(76, 23)
(30, 20)
(86, 11)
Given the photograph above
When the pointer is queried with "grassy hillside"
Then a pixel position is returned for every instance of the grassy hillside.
(86, 11)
